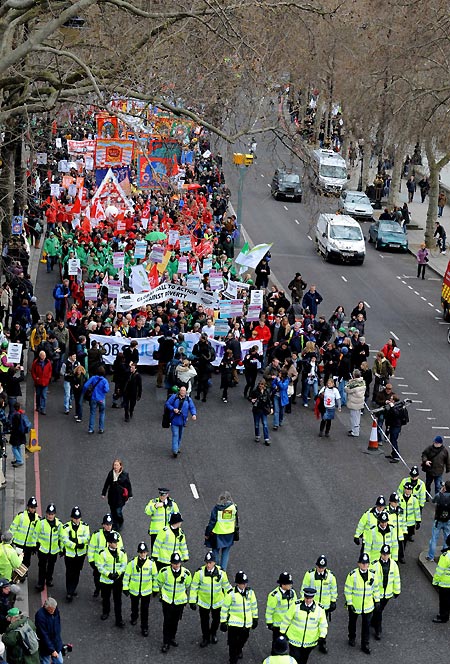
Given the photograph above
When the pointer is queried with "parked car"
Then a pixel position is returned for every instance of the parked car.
(387, 234)
(286, 185)
(356, 204)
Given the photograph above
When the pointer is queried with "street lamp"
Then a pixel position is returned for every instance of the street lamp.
(242, 161)
(361, 155)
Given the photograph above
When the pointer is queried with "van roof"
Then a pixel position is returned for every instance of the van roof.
(328, 156)
(340, 220)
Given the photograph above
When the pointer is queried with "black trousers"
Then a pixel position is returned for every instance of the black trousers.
(144, 601)
(46, 566)
(73, 570)
(96, 575)
(377, 618)
(27, 553)
(300, 655)
(152, 541)
(421, 269)
(207, 628)
(325, 425)
(237, 638)
(172, 615)
(114, 589)
(129, 405)
(444, 603)
(365, 624)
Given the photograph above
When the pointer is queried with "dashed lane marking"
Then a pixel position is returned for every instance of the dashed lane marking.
(343, 278)
(297, 222)
(309, 237)
(445, 428)
(416, 292)
(194, 491)
(262, 175)
(438, 310)
(416, 401)
(403, 282)
(394, 335)
(285, 207)
(430, 305)
(423, 298)
(426, 410)
(432, 375)
(413, 394)
(410, 287)
(367, 304)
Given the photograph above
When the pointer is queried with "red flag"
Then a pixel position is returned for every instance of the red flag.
(76, 207)
(86, 225)
(153, 277)
(146, 211)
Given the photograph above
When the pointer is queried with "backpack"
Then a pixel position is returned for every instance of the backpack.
(30, 642)
(404, 416)
(24, 423)
(171, 373)
(213, 352)
(55, 291)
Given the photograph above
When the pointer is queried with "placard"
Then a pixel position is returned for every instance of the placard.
(182, 265)
(221, 327)
(17, 225)
(157, 254)
(231, 290)
(207, 265)
(58, 143)
(231, 308)
(193, 281)
(216, 280)
(72, 190)
(174, 236)
(257, 297)
(118, 259)
(41, 158)
(73, 264)
(185, 243)
(121, 225)
(113, 288)
(54, 190)
(140, 249)
(90, 291)
(253, 312)
(14, 353)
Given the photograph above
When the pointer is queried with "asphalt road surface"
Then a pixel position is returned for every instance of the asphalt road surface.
(298, 498)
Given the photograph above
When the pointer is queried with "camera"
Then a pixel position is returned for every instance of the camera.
(67, 647)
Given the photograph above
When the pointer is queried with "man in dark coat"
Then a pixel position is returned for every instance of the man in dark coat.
(48, 628)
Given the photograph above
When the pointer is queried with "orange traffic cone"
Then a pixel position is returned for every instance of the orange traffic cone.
(373, 440)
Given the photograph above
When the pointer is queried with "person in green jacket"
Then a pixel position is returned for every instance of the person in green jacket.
(324, 581)
(304, 625)
(160, 510)
(362, 596)
(12, 639)
(280, 652)
(140, 583)
(174, 582)
(239, 614)
(389, 585)
(9, 558)
(52, 248)
(441, 579)
(279, 601)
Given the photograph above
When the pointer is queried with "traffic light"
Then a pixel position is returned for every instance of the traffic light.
(248, 159)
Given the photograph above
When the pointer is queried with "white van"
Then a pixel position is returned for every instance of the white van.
(329, 171)
(340, 237)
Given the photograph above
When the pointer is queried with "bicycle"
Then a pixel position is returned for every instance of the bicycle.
(437, 249)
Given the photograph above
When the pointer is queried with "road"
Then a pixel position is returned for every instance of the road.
(298, 498)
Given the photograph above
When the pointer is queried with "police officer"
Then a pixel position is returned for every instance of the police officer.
(96, 544)
(139, 582)
(159, 510)
(173, 583)
(75, 539)
(378, 535)
(23, 529)
(279, 601)
(209, 587)
(369, 519)
(362, 596)
(397, 523)
(441, 579)
(304, 624)
(419, 488)
(238, 614)
(389, 585)
(48, 543)
(441, 518)
(411, 509)
(112, 563)
(324, 581)
(171, 539)
(280, 652)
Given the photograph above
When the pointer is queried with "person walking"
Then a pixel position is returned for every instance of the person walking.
(392, 353)
(424, 186)
(111, 564)
(261, 407)
(378, 535)
(226, 368)
(97, 543)
(61, 294)
(419, 489)
(441, 234)
(398, 524)
(223, 528)
(48, 630)
(67, 370)
(411, 512)
(278, 604)
(435, 461)
(77, 383)
(75, 540)
(160, 510)
(304, 625)
(13, 641)
(23, 529)
(239, 614)
(164, 355)
(442, 202)
(117, 489)
(170, 539)
(395, 418)
(324, 581)
(139, 583)
(280, 652)
(311, 300)
(41, 373)
(355, 390)
(330, 399)
(98, 388)
(411, 188)
(441, 579)
(132, 391)
(204, 355)
(280, 397)
(441, 518)
(20, 427)
(208, 589)
(389, 586)
(362, 596)
(48, 544)
(423, 258)
(179, 405)
(173, 581)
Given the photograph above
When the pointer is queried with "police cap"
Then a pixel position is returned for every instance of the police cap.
(393, 498)
(162, 491)
(175, 517)
(112, 537)
(175, 558)
(280, 645)
(385, 548)
(414, 472)
(309, 592)
(383, 517)
(107, 520)
(75, 513)
(142, 547)
(364, 558)
(32, 502)
(241, 577)
(210, 557)
(285, 578)
(51, 509)
(381, 501)
(321, 561)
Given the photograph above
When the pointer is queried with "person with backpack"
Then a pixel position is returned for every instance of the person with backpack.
(20, 639)
(61, 294)
(48, 629)
(20, 427)
(95, 391)
(179, 405)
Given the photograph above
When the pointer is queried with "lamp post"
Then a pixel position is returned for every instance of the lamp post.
(361, 155)
(242, 161)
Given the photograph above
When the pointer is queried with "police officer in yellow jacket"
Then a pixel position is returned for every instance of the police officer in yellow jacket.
(280, 652)
(304, 624)
(209, 587)
(418, 485)
(173, 582)
(411, 510)
(75, 540)
(369, 519)
(48, 543)
(98, 543)
(112, 563)
(362, 596)
(159, 510)
(239, 614)
(169, 540)
(397, 523)
(139, 582)
(389, 585)
(324, 581)
(279, 601)
(378, 535)
(441, 579)
(23, 529)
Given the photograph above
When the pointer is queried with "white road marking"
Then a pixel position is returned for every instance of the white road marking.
(430, 305)
(426, 410)
(309, 237)
(297, 222)
(380, 256)
(194, 491)
(402, 385)
(438, 310)
(262, 175)
(367, 304)
(410, 287)
(446, 428)
(434, 279)
(432, 375)
(268, 184)
(423, 298)
(416, 401)
(403, 282)
(430, 418)
(343, 278)
(398, 277)
(285, 207)
(416, 292)
(414, 394)
(394, 335)
(397, 377)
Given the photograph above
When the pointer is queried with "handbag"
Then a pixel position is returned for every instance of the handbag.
(20, 574)
(125, 493)
(166, 418)
(290, 390)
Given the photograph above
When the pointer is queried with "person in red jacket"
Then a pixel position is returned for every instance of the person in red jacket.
(41, 372)
(262, 333)
(391, 352)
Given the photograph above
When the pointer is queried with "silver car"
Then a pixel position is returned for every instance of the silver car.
(356, 204)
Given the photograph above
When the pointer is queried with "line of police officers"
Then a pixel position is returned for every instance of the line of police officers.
(297, 624)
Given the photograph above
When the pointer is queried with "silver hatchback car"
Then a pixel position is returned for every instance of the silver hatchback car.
(356, 204)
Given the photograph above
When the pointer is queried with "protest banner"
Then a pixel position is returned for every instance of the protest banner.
(140, 249)
(182, 265)
(163, 292)
(118, 259)
(14, 353)
(114, 288)
(185, 243)
(253, 312)
(231, 308)
(216, 280)
(90, 291)
(157, 254)
(73, 264)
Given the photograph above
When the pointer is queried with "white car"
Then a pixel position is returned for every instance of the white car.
(356, 204)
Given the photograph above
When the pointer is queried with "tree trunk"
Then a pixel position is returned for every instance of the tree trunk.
(394, 197)
(366, 162)
(7, 155)
(20, 176)
(434, 168)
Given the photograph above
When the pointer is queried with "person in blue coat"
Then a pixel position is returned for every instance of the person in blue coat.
(280, 397)
(100, 388)
(48, 629)
(311, 301)
(179, 405)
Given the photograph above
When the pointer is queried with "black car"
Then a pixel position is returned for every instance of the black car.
(286, 185)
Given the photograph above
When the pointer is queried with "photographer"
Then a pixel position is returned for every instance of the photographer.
(396, 416)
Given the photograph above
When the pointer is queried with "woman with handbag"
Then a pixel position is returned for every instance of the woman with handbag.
(118, 487)
(262, 407)
(423, 257)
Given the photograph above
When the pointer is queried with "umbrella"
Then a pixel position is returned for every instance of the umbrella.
(155, 235)
(195, 185)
